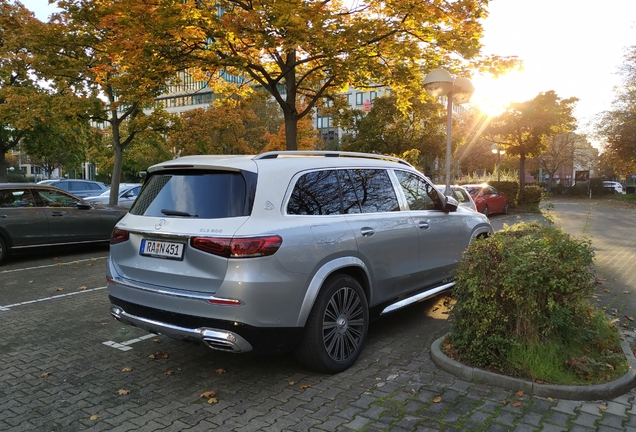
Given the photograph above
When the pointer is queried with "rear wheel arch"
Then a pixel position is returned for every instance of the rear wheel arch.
(350, 266)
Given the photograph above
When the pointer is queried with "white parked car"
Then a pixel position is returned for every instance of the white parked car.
(614, 187)
(461, 195)
(127, 195)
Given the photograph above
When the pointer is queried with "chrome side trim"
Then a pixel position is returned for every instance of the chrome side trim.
(62, 244)
(222, 340)
(416, 298)
(319, 278)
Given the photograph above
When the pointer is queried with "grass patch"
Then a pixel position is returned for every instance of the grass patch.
(594, 357)
(630, 198)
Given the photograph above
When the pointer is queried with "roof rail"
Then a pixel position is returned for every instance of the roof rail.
(276, 154)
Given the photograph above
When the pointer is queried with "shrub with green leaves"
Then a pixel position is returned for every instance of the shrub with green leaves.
(530, 195)
(525, 284)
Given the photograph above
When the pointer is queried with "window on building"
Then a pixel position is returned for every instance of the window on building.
(359, 98)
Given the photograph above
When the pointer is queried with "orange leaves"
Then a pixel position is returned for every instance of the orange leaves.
(159, 355)
(210, 396)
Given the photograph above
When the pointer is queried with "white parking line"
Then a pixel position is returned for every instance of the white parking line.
(52, 265)
(8, 307)
(123, 346)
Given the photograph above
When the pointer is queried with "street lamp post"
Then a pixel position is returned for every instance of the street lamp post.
(496, 149)
(438, 83)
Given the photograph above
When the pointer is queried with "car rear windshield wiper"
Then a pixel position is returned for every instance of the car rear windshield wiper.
(169, 212)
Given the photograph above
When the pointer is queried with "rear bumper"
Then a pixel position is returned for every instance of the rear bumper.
(217, 339)
(228, 336)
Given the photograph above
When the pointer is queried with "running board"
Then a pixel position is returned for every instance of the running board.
(421, 296)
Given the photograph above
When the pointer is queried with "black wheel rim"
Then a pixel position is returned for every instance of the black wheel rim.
(343, 324)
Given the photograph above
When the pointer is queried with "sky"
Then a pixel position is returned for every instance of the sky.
(573, 47)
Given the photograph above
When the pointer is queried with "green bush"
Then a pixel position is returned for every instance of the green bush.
(525, 284)
(508, 188)
(531, 195)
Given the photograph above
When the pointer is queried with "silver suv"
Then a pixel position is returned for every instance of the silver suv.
(283, 251)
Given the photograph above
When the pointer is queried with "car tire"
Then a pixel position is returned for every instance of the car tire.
(3, 249)
(337, 326)
(485, 210)
(505, 209)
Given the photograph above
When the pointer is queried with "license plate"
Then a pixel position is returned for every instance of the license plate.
(161, 249)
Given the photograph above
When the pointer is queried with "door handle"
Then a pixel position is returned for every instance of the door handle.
(58, 213)
(367, 232)
(424, 225)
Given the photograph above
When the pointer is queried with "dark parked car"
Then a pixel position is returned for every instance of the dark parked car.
(80, 188)
(33, 215)
(487, 199)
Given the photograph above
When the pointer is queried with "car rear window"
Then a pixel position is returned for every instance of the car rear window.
(203, 194)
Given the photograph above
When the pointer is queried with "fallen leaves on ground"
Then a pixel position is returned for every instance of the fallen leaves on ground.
(46, 374)
(59, 289)
(437, 399)
(82, 288)
(89, 265)
(123, 391)
(220, 371)
(629, 317)
(602, 407)
(94, 417)
(156, 340)
(519, 394)
(31, 281)
(159, 355)
(304, 386)
(210, 396)
(169, 372)
(516, 404)
(127, 369)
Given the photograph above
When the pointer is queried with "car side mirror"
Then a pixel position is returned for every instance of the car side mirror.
(83, 205)
(451, 204)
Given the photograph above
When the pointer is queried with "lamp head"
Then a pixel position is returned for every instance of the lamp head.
(438, 82)
(463, 89)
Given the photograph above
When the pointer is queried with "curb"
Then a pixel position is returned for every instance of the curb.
(579, 392)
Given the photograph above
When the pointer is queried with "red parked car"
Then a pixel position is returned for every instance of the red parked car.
(487, 199)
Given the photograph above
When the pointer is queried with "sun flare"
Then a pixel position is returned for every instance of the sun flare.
(493, 95)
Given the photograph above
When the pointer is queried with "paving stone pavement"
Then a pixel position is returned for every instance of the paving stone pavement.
(58, 374)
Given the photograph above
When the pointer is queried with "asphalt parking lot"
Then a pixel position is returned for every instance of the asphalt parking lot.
(68, 366)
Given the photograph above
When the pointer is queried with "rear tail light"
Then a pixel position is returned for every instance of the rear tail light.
(248, 247)
(119, 236)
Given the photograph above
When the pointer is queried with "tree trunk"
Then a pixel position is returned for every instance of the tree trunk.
(117, 164)
(291, 129)
(289, 110)
(522, 171)
(3, 168)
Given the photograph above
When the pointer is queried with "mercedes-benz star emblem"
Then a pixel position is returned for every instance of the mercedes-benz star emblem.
(160, 224)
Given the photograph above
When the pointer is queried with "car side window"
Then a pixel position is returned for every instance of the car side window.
(374, 190)
(64, 185)
(316, 193)
(420, 195)
(16, 198)
(53, 198)
(460, 195)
